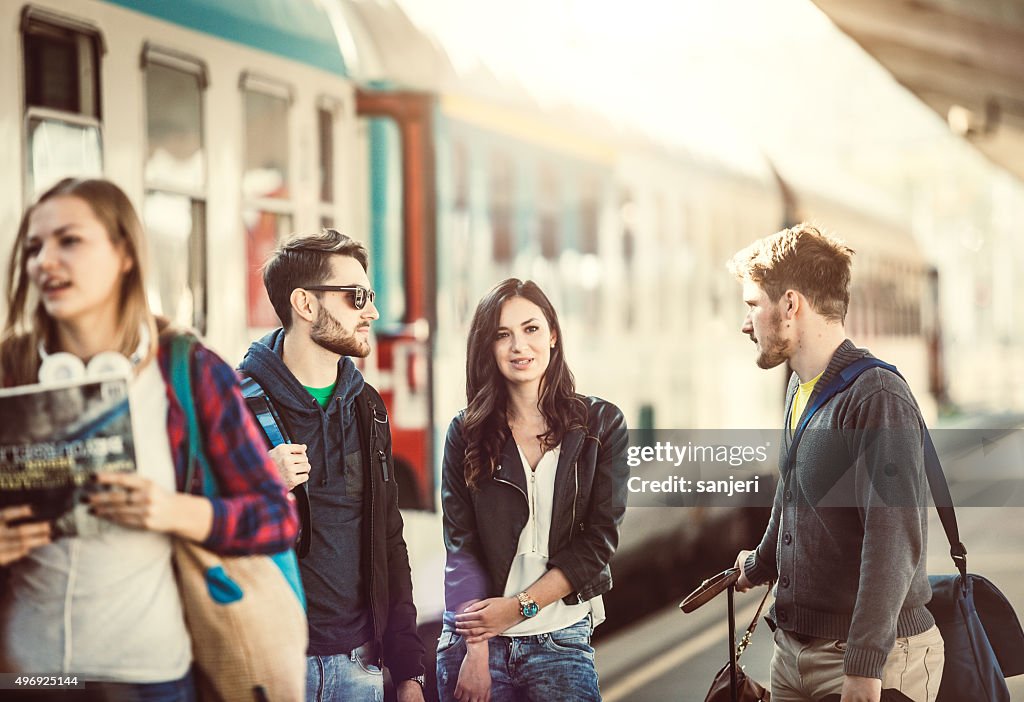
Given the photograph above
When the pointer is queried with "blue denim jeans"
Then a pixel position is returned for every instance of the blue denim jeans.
(539, 668)
(182, 690)
(347, 677)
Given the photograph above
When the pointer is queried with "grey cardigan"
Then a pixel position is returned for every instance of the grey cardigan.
(847, 538)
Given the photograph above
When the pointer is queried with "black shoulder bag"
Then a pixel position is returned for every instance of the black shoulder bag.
(984, 642)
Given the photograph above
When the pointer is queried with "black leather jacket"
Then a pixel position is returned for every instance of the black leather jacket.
(482, 526)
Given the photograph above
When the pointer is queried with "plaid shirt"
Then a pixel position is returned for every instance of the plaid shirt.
(254, 513)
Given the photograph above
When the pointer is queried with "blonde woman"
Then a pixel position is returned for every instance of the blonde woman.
(106, 608)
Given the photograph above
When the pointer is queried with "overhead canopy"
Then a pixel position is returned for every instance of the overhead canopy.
(298, 29)
(963, 58)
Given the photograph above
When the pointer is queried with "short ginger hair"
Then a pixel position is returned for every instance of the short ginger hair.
(801, 258)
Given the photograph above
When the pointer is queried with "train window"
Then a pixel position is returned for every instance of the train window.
(628, 213)
(500, 199)
(266, 141)
(62, 99)
(549, 197)
(61, 68)
(589, 216)
(458, 266)
(687, 264)
(175, 173)
(386, 208)
(460, 175)
(175, 155)
(263, 230)
(57, 148)
(267, 208)
(666, 277)
(591, 273)
(325, 114)
(176, 231)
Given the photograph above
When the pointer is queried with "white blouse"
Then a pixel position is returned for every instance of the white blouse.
(532, 554)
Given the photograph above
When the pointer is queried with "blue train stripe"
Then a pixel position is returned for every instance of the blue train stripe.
(296, 29)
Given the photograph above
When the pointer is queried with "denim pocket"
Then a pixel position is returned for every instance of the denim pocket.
(447, 641)
(366, 662)
(560, 642)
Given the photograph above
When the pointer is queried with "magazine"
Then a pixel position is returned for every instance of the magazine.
(54, 437)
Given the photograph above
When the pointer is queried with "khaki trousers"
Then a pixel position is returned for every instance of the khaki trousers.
(807, 672)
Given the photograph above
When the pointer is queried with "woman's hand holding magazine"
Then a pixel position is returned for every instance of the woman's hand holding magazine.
(136, 502)
(17, 540)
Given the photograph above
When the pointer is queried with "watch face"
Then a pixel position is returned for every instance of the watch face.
(529, 609)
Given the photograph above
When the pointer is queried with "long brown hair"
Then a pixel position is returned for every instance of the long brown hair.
(27, 323)
(485, 428)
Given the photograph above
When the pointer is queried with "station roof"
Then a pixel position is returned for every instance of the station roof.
(297, 29)
(963, 58)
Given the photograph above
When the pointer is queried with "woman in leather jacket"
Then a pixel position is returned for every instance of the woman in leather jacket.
(533, 489)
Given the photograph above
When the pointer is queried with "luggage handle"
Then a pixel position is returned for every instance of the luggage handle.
(711, 588)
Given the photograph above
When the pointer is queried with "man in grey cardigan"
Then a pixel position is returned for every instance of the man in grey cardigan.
(846, 541)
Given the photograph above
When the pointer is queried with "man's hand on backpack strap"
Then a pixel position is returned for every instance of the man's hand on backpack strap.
(291, 463)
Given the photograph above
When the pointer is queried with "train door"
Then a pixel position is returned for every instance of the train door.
(399, 134)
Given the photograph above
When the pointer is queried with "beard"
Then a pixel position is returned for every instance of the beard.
(328, 333)
(774, 350)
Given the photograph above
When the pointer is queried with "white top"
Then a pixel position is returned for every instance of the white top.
(104, 606)
(532, 554)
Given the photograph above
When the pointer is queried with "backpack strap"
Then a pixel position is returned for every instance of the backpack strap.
(262, 408)
(181, 351)
(838, 384)
(377, 418)
(941, 496)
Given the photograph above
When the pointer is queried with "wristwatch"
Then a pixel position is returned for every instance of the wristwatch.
(419, 679)
(527, 607)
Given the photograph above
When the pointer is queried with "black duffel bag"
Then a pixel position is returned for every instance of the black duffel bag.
(983, 639)
(984, 642)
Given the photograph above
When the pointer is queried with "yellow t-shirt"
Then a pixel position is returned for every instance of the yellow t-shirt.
(803, 393)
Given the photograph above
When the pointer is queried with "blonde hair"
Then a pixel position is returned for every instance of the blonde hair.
(28, 324)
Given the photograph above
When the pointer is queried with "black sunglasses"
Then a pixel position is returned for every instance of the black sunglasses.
(360, 295)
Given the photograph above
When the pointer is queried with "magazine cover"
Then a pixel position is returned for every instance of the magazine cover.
(54, 437)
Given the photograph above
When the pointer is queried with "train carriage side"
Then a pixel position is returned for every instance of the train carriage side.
(226, 127)
(228, 147)
(493, 193)
(686, 212)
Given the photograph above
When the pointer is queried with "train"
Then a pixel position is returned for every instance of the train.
(233, 125)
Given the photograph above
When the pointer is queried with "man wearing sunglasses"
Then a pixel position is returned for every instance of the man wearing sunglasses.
(353, 558)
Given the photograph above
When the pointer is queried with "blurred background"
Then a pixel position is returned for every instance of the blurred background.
(616, 154)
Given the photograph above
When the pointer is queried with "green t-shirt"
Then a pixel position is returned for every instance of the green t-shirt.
(321, 395)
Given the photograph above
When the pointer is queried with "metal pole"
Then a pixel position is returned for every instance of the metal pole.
(732, 648)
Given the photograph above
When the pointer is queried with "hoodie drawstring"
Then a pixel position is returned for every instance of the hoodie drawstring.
(326, 475)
